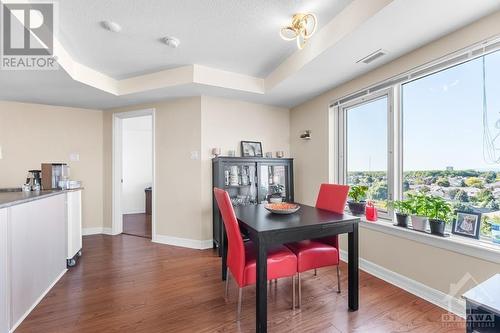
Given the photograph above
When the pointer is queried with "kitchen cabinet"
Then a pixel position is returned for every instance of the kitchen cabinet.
(33, 247)
(38, 252)
(4, 294)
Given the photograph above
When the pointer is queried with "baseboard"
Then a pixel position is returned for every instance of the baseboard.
(434, 296)
(96, 231)
(183, 242)
(38, 300)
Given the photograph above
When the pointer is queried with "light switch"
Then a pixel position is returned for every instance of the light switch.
(74, 157)
(195, 155)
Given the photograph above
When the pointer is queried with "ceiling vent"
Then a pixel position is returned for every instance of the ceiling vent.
(372, 56)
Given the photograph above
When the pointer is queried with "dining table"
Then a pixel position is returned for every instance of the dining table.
(267, 229)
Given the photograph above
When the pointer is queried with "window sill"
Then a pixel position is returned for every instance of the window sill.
(470, 247)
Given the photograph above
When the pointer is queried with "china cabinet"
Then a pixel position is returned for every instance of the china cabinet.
(250, 180)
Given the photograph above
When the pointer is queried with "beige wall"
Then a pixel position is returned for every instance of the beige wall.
(411, 259)
(32, 133)
(178, 177)
(225, 123)
(184, 185)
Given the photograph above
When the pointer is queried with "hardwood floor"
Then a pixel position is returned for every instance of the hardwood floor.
(129, 284)
(137, 225)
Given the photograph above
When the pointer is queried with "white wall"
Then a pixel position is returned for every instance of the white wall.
(137, 162)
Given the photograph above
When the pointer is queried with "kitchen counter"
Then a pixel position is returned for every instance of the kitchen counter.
(10, 197)
(39, 232)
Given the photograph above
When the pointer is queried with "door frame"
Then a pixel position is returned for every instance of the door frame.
(117, 169)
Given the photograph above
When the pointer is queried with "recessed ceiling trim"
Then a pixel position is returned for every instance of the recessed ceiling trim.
(354, 15)
(223, 79)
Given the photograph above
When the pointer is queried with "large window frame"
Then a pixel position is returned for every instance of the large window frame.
(340, 124)
(392, 88)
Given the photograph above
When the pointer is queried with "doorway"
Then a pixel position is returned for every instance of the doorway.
(133, 173)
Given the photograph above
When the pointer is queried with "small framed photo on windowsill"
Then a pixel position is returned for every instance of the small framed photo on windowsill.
(466, 224)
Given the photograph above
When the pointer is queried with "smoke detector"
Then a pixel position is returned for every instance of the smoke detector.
(111, 26)
(372, 56)
(171, 42)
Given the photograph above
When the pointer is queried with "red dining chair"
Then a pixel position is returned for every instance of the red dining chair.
(241, 260)
(317, 253)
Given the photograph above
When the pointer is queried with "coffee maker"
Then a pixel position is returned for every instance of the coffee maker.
(52, 174)
(34, 180)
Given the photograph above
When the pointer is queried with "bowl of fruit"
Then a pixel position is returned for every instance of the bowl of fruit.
(283, 208)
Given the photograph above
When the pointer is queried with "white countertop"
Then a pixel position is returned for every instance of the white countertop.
(486, 294)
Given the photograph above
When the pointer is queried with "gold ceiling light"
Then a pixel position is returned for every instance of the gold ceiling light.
(302, 28)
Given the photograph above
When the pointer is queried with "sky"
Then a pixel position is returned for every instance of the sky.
(442, 122)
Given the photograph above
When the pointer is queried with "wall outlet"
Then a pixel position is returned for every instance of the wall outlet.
(74, 157)
(195, 155)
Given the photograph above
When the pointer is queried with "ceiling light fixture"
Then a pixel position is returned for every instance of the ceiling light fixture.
(302, 28)
(111, 26)
(171, 42)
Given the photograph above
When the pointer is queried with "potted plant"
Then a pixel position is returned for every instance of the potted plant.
(357, 204)
(402, 210)
(276, 193)
(439, 212)
(418, 204)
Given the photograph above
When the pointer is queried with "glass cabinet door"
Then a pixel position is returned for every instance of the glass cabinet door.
(240, 181)
(273, 185)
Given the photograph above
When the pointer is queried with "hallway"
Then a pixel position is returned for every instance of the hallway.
(137, 225)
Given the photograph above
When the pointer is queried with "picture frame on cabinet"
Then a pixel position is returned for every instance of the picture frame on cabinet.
(251, 149)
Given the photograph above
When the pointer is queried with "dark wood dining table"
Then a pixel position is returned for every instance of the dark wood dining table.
(266, 229)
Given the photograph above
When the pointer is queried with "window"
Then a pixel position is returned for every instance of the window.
(449, 145)
(366, 146)
(445, 127)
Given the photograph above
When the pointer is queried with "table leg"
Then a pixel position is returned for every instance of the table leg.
(353, 273)
(223, 247)
(261, 302)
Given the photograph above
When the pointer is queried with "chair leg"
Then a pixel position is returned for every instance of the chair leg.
(240, 296)
(338, 279)
(300, 292)
(293, 292)
(226, 291)
(315, 272)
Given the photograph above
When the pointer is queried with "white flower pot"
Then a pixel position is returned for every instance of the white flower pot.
(419, 222)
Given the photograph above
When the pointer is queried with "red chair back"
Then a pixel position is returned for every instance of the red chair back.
(332, 197)
(235, 248)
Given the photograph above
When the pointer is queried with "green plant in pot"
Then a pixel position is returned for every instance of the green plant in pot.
(357, 203)
(439, 213)
(276, 193)
(402, 209)
(418, 205)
